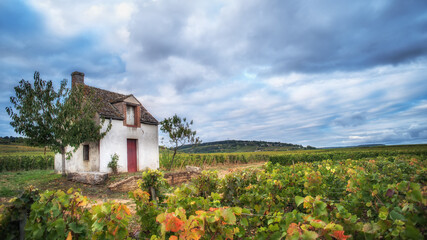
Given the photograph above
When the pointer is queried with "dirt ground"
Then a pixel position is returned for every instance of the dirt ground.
(225, 169)
(221, 169)
(101, 193)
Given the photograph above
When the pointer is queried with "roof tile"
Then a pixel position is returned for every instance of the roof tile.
(108, 110)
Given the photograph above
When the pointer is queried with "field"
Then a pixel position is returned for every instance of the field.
(22, 150)
(11, 183)
(214, 159)
(361, 193)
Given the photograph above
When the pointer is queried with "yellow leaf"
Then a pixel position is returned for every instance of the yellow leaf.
(69, 237)
(200, 212)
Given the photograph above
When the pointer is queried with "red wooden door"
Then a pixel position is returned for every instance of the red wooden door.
(132, 155)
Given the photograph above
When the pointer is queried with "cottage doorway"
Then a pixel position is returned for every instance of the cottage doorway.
(132, 155)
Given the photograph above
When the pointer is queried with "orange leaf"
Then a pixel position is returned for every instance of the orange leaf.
(115, 231)
(69, 237)
(340, 235)
(293, 228)
(126, 209)
(173, 223)
(173, 238)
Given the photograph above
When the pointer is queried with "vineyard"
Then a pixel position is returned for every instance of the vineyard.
(18, 157)
(14, 157)
(287, 157)
(383, 196)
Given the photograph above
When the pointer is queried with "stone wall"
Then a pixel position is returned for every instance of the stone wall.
(173, 178)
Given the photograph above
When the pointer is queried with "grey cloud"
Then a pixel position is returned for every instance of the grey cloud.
(351, 121)
(418, 132)
(285, 36)
(399, 135)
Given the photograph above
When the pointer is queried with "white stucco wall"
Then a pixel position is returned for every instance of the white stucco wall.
(76, 162)
(116, 142)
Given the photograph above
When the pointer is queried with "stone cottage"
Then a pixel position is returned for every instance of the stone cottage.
(133, 136)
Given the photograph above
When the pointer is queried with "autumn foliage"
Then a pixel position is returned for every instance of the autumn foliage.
(375, 198)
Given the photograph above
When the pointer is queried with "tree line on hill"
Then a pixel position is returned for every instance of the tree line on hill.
(12, 140)
(241, 146)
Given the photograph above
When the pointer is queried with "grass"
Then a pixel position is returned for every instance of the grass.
(11, 183)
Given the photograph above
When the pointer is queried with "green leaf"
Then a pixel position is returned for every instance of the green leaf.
(97, 226)
(395, 232)
(415, 194)
(309, 235)
(299, 200)
(395, 215)
(229, 216)
(59, 225)
(402, 186)
(244, 222)
(317, 223)
(237, 210)
(320, 208)
(38, 233)
(276, 236)
(245, 210)
(383, 213)
(412, 233)
(273, 228)
(75, 227)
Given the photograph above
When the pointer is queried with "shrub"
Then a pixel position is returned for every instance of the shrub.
(146, 213)
(206, 183)
(13, 216)
(110, 221)
(58, 215)
(234, 184)
(217, 223)
(154, 183)
(113, 163)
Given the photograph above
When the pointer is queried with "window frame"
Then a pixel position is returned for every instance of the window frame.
(135, 115)
(86, 152)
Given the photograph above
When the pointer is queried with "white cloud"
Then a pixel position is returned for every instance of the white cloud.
(108, 19)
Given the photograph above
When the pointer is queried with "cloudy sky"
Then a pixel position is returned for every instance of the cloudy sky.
(320, 73)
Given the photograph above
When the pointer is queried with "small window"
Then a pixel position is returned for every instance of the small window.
(130, 115)
(86, 152)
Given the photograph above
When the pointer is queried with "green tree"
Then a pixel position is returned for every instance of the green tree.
(55, 119)
(179, 132)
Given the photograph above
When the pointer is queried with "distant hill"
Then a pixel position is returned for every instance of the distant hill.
(357, 146)
(371, 145)
(12, 140)
(230, 146)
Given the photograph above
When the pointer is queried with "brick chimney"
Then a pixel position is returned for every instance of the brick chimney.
(77, 78)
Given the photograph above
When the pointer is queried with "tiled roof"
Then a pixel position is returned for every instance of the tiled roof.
(108, 110)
